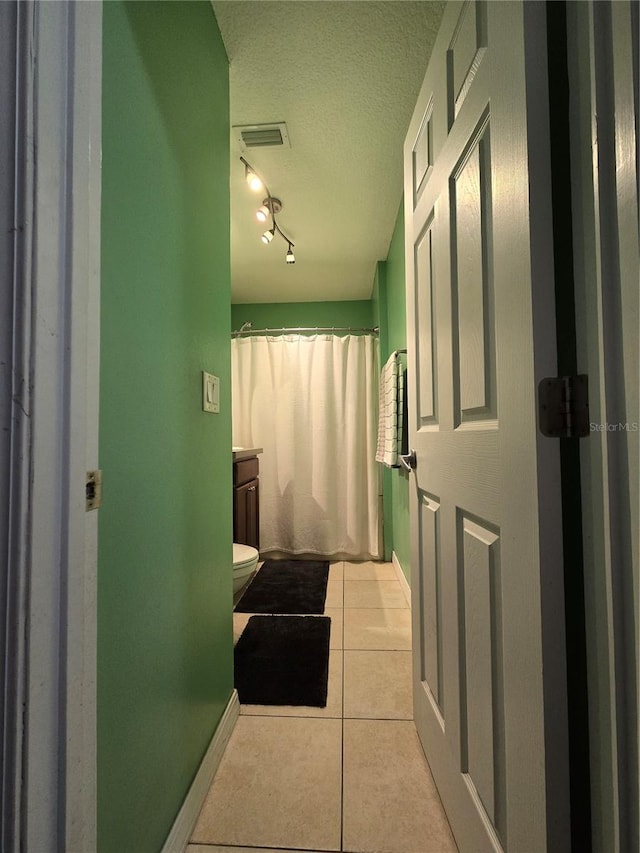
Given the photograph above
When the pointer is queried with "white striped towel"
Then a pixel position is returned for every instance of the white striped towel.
(390, 412)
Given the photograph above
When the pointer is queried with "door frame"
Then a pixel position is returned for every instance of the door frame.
(49, 690)
(603, 53)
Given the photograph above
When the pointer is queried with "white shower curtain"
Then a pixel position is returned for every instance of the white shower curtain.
(310, 402)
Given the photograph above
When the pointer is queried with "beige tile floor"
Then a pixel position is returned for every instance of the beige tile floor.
(348, 777)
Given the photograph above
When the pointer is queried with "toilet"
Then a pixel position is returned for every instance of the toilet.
(245, 562)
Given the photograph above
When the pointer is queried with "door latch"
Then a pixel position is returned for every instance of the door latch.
(93, 490)
(409, 460)
(563, 406)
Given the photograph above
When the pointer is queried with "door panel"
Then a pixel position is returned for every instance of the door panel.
(474, 370)
(481, 657)
(426, 331)
(486, 537)
(431, 639)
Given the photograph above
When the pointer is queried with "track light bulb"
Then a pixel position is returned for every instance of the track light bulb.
(252, 179)
(290, 258)
(262, 214)
(267, 237)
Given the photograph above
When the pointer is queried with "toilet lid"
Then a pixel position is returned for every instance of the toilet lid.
(243, 554)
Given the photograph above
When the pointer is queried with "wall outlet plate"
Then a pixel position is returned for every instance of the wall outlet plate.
(210, 393)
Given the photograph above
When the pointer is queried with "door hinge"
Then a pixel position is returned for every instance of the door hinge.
(563, 406)
(93, 490)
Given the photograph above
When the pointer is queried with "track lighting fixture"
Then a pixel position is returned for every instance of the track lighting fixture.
(269, 208)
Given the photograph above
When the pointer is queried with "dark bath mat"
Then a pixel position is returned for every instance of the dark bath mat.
(287, 586)
(283, 660)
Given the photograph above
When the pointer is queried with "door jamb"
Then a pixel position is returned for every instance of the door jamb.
(50, 692)
(572, 532)
(604, 119)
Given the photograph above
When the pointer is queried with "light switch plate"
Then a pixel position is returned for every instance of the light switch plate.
(210, 393)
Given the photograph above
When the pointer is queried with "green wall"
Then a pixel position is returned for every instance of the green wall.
(379, 304)
(165, 671)
(380, 319)
(271, 315)
(393, 306)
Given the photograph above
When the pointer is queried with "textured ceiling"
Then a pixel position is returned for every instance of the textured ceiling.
(344, 76)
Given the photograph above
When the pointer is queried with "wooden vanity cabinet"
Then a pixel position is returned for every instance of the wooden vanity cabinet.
(246, 503)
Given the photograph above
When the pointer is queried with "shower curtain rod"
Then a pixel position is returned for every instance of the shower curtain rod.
(237, 333)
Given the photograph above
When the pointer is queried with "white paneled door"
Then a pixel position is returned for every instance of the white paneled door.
(488, 614)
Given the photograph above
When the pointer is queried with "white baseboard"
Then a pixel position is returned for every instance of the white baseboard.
(184, 823)
(401, 577)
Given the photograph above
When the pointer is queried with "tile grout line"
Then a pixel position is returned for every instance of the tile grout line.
(342, 722)
(252, 847)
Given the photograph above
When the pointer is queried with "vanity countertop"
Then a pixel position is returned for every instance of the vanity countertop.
(244, 452)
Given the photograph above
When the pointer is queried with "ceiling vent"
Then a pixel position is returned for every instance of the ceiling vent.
(262, 135)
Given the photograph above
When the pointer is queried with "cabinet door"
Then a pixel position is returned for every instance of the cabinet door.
(246, 516)
(253, 515)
